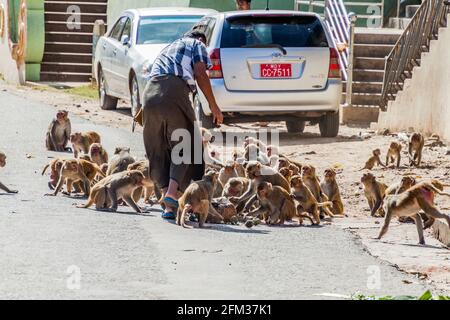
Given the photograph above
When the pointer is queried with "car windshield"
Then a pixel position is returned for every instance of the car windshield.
(164, 29)
(285, 31)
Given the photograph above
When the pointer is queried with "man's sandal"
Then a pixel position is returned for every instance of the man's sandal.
(170, 203)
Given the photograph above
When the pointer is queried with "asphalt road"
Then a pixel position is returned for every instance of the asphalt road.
(50, 249)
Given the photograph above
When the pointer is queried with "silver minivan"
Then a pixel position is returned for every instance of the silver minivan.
(272, 66)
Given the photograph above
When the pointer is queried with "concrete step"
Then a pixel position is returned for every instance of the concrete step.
(372, 50)
(66, 67)
(398, 23)
(84, 17)
(68, 47)
(65, 77)
(376, 38)
(72, 37)
(365, 99)
(63, 6)
(369, 63)
(368, 75)
(67, 57)
(364, 87)
(61, 26)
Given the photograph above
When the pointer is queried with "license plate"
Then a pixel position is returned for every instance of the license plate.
(276, 70)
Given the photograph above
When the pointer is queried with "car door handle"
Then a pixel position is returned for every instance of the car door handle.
(115, 52)
(104, 46)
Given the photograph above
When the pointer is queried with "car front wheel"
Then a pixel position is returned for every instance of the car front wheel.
(329, 125)
(106, 102)
(135, 97)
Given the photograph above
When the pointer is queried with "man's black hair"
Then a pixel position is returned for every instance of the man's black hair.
(248, 1)
(195, 34)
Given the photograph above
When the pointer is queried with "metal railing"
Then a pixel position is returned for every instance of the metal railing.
(341, 25)
(407, 52)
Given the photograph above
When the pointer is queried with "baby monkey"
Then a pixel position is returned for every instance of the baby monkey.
(394, 153)
(2, 165)
(375, 192)
(373, 161)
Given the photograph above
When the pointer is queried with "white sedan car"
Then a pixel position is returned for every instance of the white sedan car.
(124, 56)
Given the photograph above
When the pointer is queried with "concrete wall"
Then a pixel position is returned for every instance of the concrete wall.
(424, 103)
(116, 7)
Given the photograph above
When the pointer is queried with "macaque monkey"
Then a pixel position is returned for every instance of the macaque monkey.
(98, 154)
(394, 153)
(72, 170)
(286, 173)
(400, 187)
(311, 180)
(330, 188)
(227, 172)
(254, 153)
(55, 167)
(375, 192)
(81, 142)
(275, 204)
(415, 149)
(409, 203)
(373, 161)
(235, 187)
(118, 186)
(58, 133)
(148, 189)
(272, 151)
(85, 157)
(239, 167)
(307, 202)
(120, 161)
(197, 199)
(261, 145)
(258, 173)
(2, 165)
(207, 139)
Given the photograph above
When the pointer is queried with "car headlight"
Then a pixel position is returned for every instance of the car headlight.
(146, 70)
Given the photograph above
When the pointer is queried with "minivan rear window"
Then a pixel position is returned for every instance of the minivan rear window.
(287, 31)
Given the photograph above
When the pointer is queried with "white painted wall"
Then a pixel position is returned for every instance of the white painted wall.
(8, 67)
(424, 103)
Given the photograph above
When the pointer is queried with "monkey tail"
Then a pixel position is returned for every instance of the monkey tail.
(45, 169)
(183, 216)
(99, 171)
(439, 191)
(91, 199)
(325, 204)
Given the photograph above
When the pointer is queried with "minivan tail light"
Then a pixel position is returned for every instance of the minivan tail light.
(216, 70)
(334, 70)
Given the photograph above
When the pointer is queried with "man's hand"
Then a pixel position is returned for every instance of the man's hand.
(217, 114)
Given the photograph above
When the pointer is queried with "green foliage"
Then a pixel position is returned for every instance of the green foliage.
(427, 295)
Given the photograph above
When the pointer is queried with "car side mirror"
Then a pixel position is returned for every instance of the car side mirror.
(125, 40)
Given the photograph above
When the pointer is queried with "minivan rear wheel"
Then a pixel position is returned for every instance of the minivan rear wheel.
(106, 102)
(329, 125)
(135, 97)
(295, 126)
(206, 121)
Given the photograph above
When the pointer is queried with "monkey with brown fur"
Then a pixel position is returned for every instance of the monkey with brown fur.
(311, 180)
(258, 173)
(58, 133)
(307, 202)
(405, 183)
(235, 187)
(275, 204)
(286, 173)
(148, 189)
(197, 199)
(98, 154)
(415, 149)
(409, 203)
(373, 161)
(375, 192)
(81, 142)
(330, 188)
(2, 165)
(120, 161)
(118, 186)
(254, 153)
(394, 153)
(72, 170)
(55, 168)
